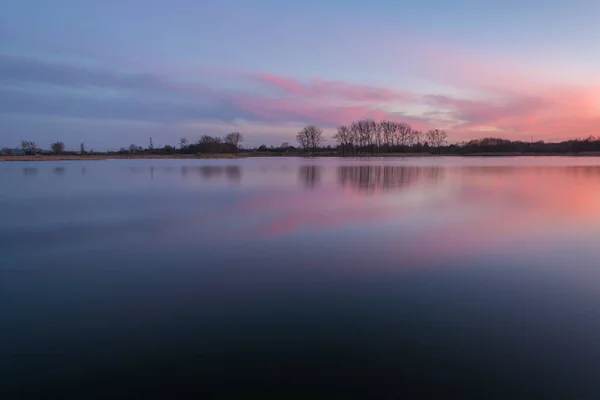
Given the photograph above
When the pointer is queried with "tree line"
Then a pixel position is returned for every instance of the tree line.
(230, 144)
(363, 137)
(368, 136)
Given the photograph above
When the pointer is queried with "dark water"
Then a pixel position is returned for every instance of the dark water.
(446, 277)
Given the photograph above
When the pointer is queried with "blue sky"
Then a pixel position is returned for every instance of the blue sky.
(112, 73)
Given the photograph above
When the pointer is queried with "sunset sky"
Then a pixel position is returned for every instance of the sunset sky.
(110, 73)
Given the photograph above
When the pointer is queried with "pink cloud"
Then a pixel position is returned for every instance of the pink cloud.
(306, 110)
(513, 99)
(493, 97)
(553, 114)
(512, 105)
(319, 89)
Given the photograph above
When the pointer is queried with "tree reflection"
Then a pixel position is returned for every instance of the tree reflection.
(373, 178)
(206, 172)
(30, 171)
(211, 171)
(59, 171)
(309, 175)
(234, 173)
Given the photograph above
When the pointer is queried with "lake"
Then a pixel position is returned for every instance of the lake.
(375, 278)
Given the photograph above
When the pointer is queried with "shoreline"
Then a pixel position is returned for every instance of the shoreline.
(100, 157)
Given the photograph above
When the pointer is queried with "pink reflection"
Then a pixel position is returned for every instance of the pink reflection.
(447, 212)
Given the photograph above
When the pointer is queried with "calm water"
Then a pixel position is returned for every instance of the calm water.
(368, 278)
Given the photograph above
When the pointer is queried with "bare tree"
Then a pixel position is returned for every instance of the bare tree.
(284, 146)
(343, 137)
(28, 147)
(303, 140)
(436, 138)
(364, 131)
(417, 137)
(234, 139)
(209, 144)
(310, 138)
(388, 131)
(403, 133)
(316, 138)
(355, 136)
(370, 131)
(57, 147)
(82, 148)
(150, 146)
(378, 136)
(132, 148)
(183, 143)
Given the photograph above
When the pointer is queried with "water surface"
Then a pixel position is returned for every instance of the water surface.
(352, 277)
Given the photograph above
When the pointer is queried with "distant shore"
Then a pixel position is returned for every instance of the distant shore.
(68, 157)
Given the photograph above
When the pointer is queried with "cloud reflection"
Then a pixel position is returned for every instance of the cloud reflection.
(449, 211)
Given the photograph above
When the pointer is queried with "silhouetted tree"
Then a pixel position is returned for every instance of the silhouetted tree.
(82, 148)
(364, 132)
(183, 143)
(417, 137)
(310, 138)
(303, 140)
(234, 139)
(28, 147)
(7, 151)
(402, 134)
(209, 144)
(343, 138)
(57, 147)
(388, 131)
(436, 138)
(150, 146)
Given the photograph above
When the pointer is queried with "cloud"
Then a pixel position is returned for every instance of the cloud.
(131, 108)
(318, 89)
(493, 98)
(29, 70)
(551, 114)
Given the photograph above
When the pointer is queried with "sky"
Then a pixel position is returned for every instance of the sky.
(111, 73)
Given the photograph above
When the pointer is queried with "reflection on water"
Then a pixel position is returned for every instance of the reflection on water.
(392, 278)
(309, 175)
(232, 172)
(372, 178)
(29, 171)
